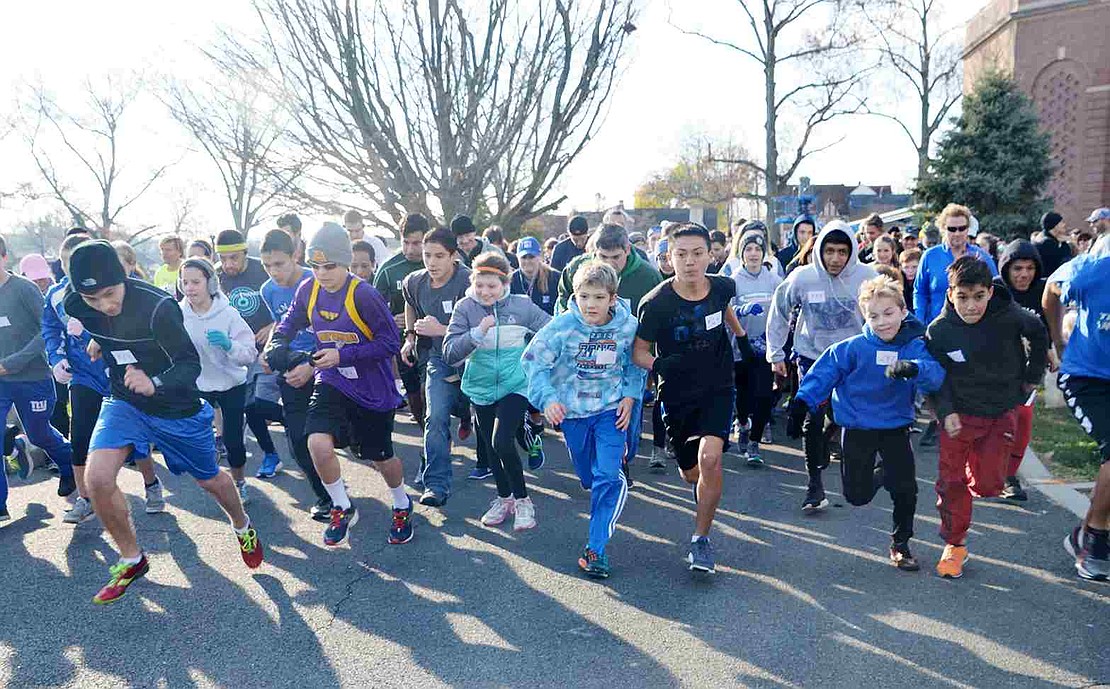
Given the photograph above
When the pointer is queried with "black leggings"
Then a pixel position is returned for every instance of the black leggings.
(259, 414)
(861, 481)
(230, 403)
(294, 402)
(754, 394)
(85, 406)
(60, 418)
(497, 425)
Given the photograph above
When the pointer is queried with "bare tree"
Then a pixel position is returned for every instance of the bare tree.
(698, 178)
(808, 77)
(78, 154)
(415, 104)
(239, 127)
(924, 54)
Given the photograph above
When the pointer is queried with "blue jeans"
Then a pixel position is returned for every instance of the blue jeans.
(442, 399)
(34, 402)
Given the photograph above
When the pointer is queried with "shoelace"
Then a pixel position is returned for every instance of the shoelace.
(400, 518)
(336, 518)
(248, 541)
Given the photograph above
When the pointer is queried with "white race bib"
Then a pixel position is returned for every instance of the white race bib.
(713, 320)
(547, 298)
(123, 357)
(347, 372)
(4, 322)
(448, 306)
(885, 357)
(957, 356)
(816, 297)
(607, 357)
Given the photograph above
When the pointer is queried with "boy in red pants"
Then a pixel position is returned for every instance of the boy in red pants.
(980, 339)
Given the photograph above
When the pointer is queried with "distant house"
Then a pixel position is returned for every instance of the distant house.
(553, 225)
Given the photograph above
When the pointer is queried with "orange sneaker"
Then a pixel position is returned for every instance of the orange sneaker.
(951, 565)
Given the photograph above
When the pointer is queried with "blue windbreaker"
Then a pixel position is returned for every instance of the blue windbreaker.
(61, 345)
(853, 371)
(931, 284)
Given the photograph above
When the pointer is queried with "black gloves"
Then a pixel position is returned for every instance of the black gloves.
(901, 370)
(796, 415)
(745, 347)
(667, 367)
(280, 358)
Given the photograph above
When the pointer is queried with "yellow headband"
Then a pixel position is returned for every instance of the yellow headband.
(231, 248)
(491, 269)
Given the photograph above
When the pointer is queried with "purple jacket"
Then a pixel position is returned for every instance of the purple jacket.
(356, 321)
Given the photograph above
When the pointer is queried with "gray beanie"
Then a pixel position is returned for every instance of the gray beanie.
(753, 237)
(330, 244)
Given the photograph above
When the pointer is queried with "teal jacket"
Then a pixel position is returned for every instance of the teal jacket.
(636, 280)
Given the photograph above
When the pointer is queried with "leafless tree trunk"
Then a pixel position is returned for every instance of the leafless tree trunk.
(77, 151)
(776, 35)
(412, 105)
(924, 54)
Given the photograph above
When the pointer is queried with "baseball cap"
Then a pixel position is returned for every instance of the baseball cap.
(35, 267)
(528, 246)
(662, 247)
(1099, 214)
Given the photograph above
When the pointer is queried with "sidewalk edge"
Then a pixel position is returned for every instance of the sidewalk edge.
(1034, 473)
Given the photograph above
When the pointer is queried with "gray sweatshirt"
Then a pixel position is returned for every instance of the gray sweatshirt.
(22, 349)
(751, 290)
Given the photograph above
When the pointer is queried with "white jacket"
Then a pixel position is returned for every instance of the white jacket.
(220, 370)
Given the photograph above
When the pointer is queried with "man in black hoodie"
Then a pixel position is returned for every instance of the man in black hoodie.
(1053, 248)
(980, 339)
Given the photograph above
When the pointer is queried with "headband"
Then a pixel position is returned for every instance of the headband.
(491, 269)
(229, 248)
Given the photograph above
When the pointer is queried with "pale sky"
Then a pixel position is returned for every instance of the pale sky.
(674, 86)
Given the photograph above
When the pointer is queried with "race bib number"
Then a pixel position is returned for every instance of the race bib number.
(885, 357)
(712, 320)
(816, 297)
(547, 298)
(122, 357)
(4, 322)
(347, 372)
(606, 357)
(448, 306)
(957, 356)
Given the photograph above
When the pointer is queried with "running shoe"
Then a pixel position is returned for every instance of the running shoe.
(19, 462)
(951, 564)
(524, 515)
(321, 511)
(1091, 553)
(221, 450)
(401, 530)
(431, 498)
(340, 525)
(535, 455)
(123, 575)
(815, 498)
(66, 486)
(767, 438)
(271, 465)
(418, 480)
(596, 566)
(241, 486)
(479, 474)
(626, 469)
(743, 433)
(902, 558)
(250, 547)
(80, 513)
(657, 464)
(929, 437)
(755, 459)
(155, 500)
(700, 556)
(499, 510)
(1013, 490)
(4, 516)
(52, 466)
(466, 428)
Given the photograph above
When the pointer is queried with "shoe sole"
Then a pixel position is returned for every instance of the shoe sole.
(479, 478)
(702, 569)
(524, 528)
(390, 540)
(433, 502)
(956, 576)
(537, 467)
(350, 525)
(814, 509)
(156, 510)
(754, 462)
(1079, 569)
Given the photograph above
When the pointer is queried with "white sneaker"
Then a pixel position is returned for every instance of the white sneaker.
(525, 513)
(242, 488)
(80, 513)
(499, 510)
(155, 502)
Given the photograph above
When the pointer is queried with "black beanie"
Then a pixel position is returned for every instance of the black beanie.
(578, 224)
(462, 224)
(94, 265)
(1050, 220)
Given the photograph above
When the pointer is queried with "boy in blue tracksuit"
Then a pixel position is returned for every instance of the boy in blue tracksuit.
(580, 373)
(873, 379)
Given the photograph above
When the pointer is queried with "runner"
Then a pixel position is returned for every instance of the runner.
(488, 330)
(580, 372)
(873, 379)
(153, 368)
(578, 229)
(355, 340)
(172, 250)
(979, 338)
(804, 227)
(364, 261)
(356, 230)
(689, 321)
(825, 295)
(1084, 282)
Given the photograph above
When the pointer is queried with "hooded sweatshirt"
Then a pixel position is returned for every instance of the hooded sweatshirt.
(493, 368)
(1030, 298)
(854, 372)
(637, 279)
(220, 370)
(986, 362)
(754, 289)
(60, 344)
(586, 368)
(827, 304)
(788, 252)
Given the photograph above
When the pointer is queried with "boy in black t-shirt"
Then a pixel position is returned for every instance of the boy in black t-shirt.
(688, 320)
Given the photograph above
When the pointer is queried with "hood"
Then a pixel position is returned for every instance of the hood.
(632, 264)
(1020, 248)
(1001, 299)
(911, 329)
(219, 303)
(798, 221)
(621, 313)
(818, 249)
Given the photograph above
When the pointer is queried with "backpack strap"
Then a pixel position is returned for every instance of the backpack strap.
(352, 312)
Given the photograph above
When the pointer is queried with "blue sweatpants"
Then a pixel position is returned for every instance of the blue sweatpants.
(34, 402)
(596, 448)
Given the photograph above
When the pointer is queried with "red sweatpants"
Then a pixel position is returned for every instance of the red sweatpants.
(973, 463)
(1021, 438)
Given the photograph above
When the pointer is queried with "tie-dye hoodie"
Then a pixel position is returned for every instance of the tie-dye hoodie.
(586, 368)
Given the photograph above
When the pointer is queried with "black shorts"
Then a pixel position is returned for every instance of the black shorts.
(687, 423)
(1089, 401)
(332, 412)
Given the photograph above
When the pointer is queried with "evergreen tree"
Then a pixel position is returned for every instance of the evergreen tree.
(995, 161)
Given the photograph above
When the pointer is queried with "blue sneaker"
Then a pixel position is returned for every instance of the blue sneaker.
(743, 433)
(401, 531)
(19, 463)
(595, 565)
(340, 525)
(535, 455)
(271, 465)
(479, 474)
(700, 556)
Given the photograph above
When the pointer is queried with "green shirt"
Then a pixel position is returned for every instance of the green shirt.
(165, 278)
(389, 277)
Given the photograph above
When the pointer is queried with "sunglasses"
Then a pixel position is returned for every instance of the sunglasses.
(957, 228)
(323, 266)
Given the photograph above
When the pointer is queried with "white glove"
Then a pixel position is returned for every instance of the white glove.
(74, 327)
(61, 372)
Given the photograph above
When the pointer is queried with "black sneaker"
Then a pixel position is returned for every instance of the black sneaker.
(4, 516)
(815, 498)
(433, 499)
(626, 470)
(902, 558)
(340, 524)
(66, 486)
(929, 437)
(321, 510)
(1013, 490)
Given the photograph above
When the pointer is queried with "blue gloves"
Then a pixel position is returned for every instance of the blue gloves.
(218, 338)
(753, 309)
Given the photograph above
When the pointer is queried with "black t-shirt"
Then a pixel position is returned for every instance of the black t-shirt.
(695, 333)
(244, 292)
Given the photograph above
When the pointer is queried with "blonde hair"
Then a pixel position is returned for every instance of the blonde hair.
(952, 210)
(883, 286)
(595, 273)
(128, 258)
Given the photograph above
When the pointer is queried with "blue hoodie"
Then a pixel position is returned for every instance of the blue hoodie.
(1085, 283)
(586, 368)
(854, 372)
(61, 345)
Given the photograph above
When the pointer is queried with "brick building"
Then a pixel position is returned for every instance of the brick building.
(1059, 53)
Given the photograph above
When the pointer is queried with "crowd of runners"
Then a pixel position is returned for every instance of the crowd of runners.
(843, 338)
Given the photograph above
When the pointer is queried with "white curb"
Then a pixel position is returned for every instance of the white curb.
(1033, 473)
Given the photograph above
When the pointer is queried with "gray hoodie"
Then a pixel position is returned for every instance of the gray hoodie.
(751, 290)
(827, 306)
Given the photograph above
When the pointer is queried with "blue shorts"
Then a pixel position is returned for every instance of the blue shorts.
(187, 444)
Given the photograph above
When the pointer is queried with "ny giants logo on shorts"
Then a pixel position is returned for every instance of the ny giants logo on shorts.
(38, 406)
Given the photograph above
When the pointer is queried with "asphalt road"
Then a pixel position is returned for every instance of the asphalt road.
(797, 601)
